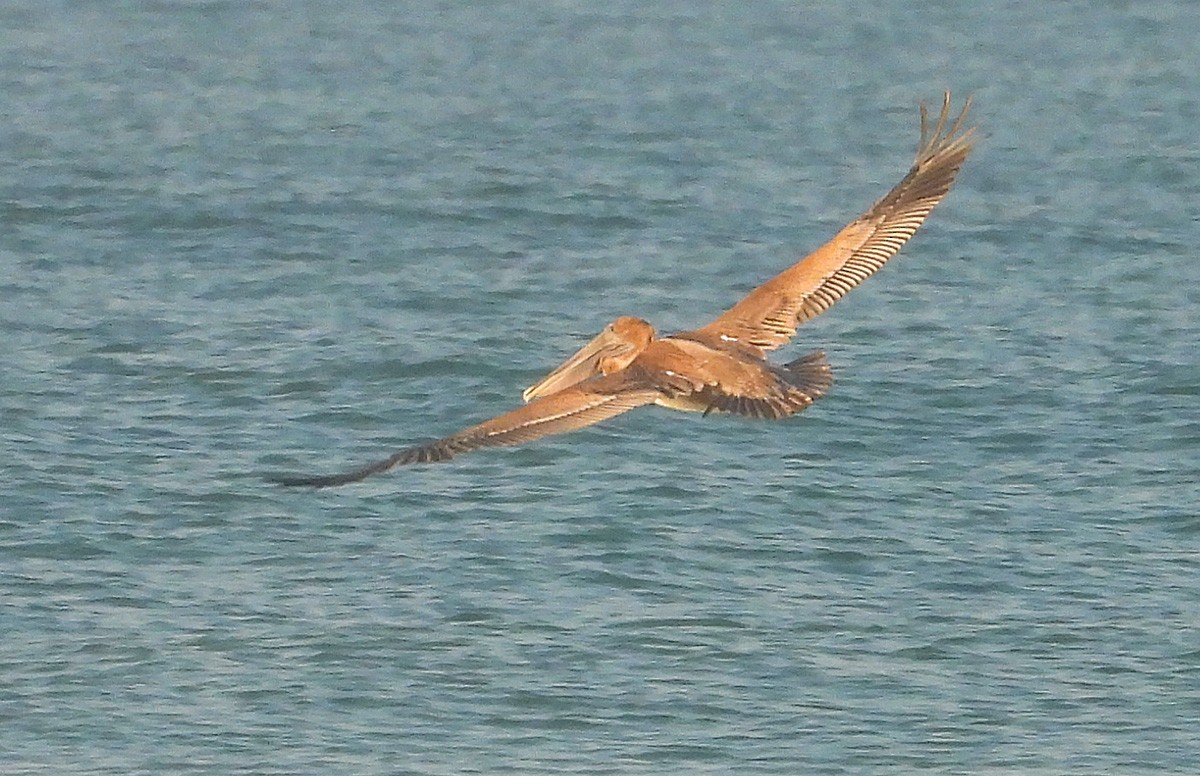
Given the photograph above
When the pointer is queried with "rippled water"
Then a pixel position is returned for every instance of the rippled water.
(244, 237)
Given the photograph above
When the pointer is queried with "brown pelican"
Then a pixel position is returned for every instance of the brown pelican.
(722, 366)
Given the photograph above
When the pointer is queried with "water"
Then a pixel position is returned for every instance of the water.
(239, 238)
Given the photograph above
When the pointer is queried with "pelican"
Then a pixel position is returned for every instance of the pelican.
(721, 366)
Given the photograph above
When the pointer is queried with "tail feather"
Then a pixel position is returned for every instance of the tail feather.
(798, 384)
(810, 374)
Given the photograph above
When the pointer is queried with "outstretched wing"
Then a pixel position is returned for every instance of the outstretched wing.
(567, 410)
(769, 315)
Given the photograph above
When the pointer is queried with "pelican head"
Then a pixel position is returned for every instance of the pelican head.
(611, 351)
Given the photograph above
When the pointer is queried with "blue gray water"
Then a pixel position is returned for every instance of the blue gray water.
(239, 238)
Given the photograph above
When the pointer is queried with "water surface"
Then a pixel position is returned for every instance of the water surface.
(245, 237)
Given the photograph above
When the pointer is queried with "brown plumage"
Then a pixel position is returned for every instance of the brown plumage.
(719, 367)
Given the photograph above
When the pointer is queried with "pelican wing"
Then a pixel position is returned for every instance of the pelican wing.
(558, 413)
(767, 318)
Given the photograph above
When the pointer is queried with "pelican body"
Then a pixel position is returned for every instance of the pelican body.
(721, 366)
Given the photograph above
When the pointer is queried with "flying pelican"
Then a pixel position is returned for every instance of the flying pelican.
(722, 366)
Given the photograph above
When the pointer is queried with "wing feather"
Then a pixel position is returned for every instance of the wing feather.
(558, 413)
(767, 317)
